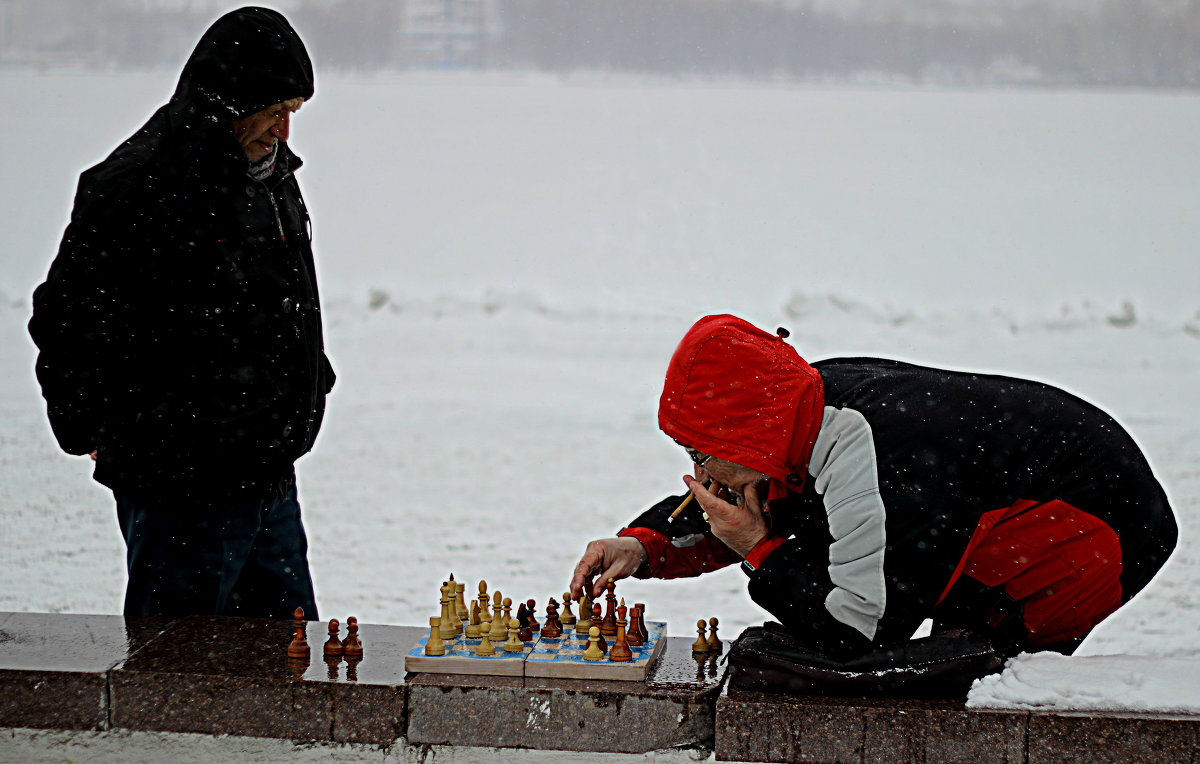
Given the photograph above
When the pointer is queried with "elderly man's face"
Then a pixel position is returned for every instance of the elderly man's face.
(259, 132)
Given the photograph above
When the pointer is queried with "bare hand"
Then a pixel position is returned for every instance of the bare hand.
(614, 558)
(738, 527)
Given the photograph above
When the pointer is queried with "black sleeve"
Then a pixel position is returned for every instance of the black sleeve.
(679, 549)
(792, 584)
(80, 325)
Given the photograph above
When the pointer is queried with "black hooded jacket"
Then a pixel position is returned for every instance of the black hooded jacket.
(179, 328)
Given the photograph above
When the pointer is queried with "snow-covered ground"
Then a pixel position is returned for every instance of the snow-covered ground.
(508, 261)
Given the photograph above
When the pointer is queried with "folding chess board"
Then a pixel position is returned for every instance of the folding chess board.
(560, 658)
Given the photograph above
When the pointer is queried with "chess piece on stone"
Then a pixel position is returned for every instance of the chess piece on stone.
(485, 648)
(633, 634)
(567, 618)
(585, 615)
(298, 648)
(608, 626)
(593, 651)
(553, 628)
(641, 606)
(531, 608)
(333, 645)
(701, 644)
(434, 645)
(620, 651)
(351, 643)
(714, 644)
(514, 643)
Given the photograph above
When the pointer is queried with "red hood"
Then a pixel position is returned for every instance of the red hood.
(740, 394)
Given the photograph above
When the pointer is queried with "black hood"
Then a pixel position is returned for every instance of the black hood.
(248, 60)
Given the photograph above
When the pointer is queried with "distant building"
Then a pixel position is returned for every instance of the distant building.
(1104, 43)
(445, 34)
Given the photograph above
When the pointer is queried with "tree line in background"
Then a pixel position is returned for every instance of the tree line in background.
(1141, 43)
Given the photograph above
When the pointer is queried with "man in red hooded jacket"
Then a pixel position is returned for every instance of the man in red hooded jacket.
(862, 496)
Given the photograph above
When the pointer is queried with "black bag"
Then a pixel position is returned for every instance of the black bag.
(770, 658)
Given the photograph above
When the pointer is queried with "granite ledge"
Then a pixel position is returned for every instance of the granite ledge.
(675, 706)
(756, 726)
(232, 676)
(54, 668)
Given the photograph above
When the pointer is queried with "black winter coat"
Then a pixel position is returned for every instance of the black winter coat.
(179, 328)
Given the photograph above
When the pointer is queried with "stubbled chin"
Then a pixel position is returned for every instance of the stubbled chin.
(257, 152)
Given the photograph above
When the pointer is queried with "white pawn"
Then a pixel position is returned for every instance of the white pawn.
(593, 651)
(485, 648)
(434, 645)
(514, 643)
(567, 618)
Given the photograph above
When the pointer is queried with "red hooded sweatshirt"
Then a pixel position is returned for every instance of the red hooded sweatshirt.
(764, 416)
(739, 394)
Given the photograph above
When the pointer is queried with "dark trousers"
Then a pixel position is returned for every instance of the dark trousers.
(245, 558)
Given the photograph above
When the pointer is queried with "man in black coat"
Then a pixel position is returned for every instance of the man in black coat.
(180, 337)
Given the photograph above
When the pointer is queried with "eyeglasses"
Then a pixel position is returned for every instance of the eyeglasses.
(698, 457)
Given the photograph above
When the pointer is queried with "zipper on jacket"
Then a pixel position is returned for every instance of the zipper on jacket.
(278, 219)
(301, 330)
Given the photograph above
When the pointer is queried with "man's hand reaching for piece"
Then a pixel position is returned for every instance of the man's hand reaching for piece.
(614, 558)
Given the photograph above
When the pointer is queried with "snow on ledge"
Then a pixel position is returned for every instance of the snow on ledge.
(1052, 682)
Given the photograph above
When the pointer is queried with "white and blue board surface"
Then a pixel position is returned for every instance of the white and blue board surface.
(560, 657)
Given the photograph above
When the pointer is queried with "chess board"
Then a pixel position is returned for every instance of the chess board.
(563, 657)
(460, 658)
(543, 657)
